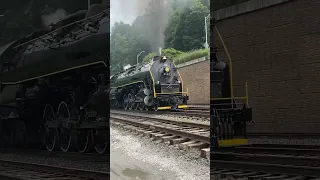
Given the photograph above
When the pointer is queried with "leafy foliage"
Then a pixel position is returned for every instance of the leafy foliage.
(180, 57)
(185, 30)
(185, 57)
(170, 53)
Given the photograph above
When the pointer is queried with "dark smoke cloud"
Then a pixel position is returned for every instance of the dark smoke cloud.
(127, 11)
(157, 23)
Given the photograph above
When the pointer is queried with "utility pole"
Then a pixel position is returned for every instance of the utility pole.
(206, 45)
(89, 4)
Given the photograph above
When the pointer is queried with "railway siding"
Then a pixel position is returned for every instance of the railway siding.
(274, 46)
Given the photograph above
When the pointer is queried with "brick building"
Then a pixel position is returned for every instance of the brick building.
(275, 46)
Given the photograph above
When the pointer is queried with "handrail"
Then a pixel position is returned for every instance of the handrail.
(230, 70)
(230, 60)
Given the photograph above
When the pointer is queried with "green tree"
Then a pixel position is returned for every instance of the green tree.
(185, 29)
(126, 42)
(171, 30)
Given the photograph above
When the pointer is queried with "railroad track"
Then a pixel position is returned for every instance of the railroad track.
(187, 135)
(262, 161)
(88, 157)
(204, 113)
(14, 170)
(198, 113)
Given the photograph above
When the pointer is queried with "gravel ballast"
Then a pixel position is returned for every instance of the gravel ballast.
(153, 160)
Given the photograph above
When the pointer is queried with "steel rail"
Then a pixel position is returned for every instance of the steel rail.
(140, 123)
(267, 168)
(288, 160)
(23, 171)
(180, 123)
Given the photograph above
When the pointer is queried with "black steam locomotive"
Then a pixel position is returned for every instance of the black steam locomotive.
(54, 85)
(229, 117)
(156, 85)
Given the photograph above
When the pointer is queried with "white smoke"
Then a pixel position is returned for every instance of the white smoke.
(126, 11)
(53, 17)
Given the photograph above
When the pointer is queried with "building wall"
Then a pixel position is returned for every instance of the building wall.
(196, 77)
(275, 49)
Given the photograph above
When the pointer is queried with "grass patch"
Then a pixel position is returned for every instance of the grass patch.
(192, 55)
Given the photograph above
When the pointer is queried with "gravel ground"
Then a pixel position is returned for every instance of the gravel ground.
(168, 117)
(153, 160)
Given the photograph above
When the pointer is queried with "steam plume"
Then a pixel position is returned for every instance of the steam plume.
(53, 17)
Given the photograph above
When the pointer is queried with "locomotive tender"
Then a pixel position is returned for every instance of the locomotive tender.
(155, 85)
(54, 85)
(229, 118)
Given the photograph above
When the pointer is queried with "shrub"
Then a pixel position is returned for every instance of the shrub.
(179, 56)
(192, 55)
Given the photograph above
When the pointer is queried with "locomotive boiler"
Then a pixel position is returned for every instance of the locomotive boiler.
(155, 85)
(54, 85)
(230, 114)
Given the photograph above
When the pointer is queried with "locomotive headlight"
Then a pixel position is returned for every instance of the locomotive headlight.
(166, 69)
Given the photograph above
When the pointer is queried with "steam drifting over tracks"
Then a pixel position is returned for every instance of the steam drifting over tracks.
(187, 135)
(22, 171)
(267, 162)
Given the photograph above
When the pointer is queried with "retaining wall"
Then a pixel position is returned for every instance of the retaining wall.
(196, 77)
(275, 47)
